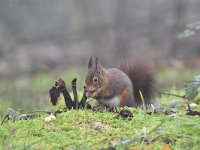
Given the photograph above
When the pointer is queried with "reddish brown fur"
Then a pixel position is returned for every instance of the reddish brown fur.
(142, 78)
(95, 90)
(125, 82)
(126, 98)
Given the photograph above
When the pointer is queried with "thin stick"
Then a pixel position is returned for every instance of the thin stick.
(67, 97)
(181, 96)
(6, 117)
(75, 93)
(62, 87)
(40, 111)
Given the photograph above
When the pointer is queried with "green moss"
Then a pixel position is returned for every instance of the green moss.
(85, 129)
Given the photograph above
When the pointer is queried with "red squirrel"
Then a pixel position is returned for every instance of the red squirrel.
(120, 86)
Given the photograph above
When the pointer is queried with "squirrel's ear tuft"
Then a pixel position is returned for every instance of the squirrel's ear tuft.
(90, 63)
(96, 62)
(98, 66)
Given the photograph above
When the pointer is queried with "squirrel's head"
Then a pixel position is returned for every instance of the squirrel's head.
(95, 79)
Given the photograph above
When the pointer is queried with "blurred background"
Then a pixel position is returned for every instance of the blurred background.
(41, 41)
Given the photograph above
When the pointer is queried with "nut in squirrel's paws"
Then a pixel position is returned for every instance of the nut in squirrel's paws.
(50, 118)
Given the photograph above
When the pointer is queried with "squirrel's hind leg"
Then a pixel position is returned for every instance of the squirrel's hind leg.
(126, 97)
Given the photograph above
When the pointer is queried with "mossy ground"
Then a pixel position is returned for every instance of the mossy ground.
(87, 129)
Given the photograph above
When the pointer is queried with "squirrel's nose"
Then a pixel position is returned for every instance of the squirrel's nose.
(90, 89)
(88, 94)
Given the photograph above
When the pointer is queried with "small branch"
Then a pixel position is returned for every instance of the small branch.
(55, 91)
(83, 99)
(60, 87)
(68, 99)
(181, 96)
(39, 111)
(75, 93)
(66, 95)
(189, 108)
(4, 119)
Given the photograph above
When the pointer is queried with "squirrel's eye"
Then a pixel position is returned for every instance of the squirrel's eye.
(95, 79)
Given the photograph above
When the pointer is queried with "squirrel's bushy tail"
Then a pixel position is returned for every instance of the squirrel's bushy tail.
(142, 79)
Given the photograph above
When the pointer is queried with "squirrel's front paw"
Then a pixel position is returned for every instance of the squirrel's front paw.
(111, 109)
(97, 108)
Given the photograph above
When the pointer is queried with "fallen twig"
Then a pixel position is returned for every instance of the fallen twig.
(4, 119)
(190, 112)
(60, 87)
(40, 111)
(75, 102)
(55, 91)
(83, 103)
(181, 96)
